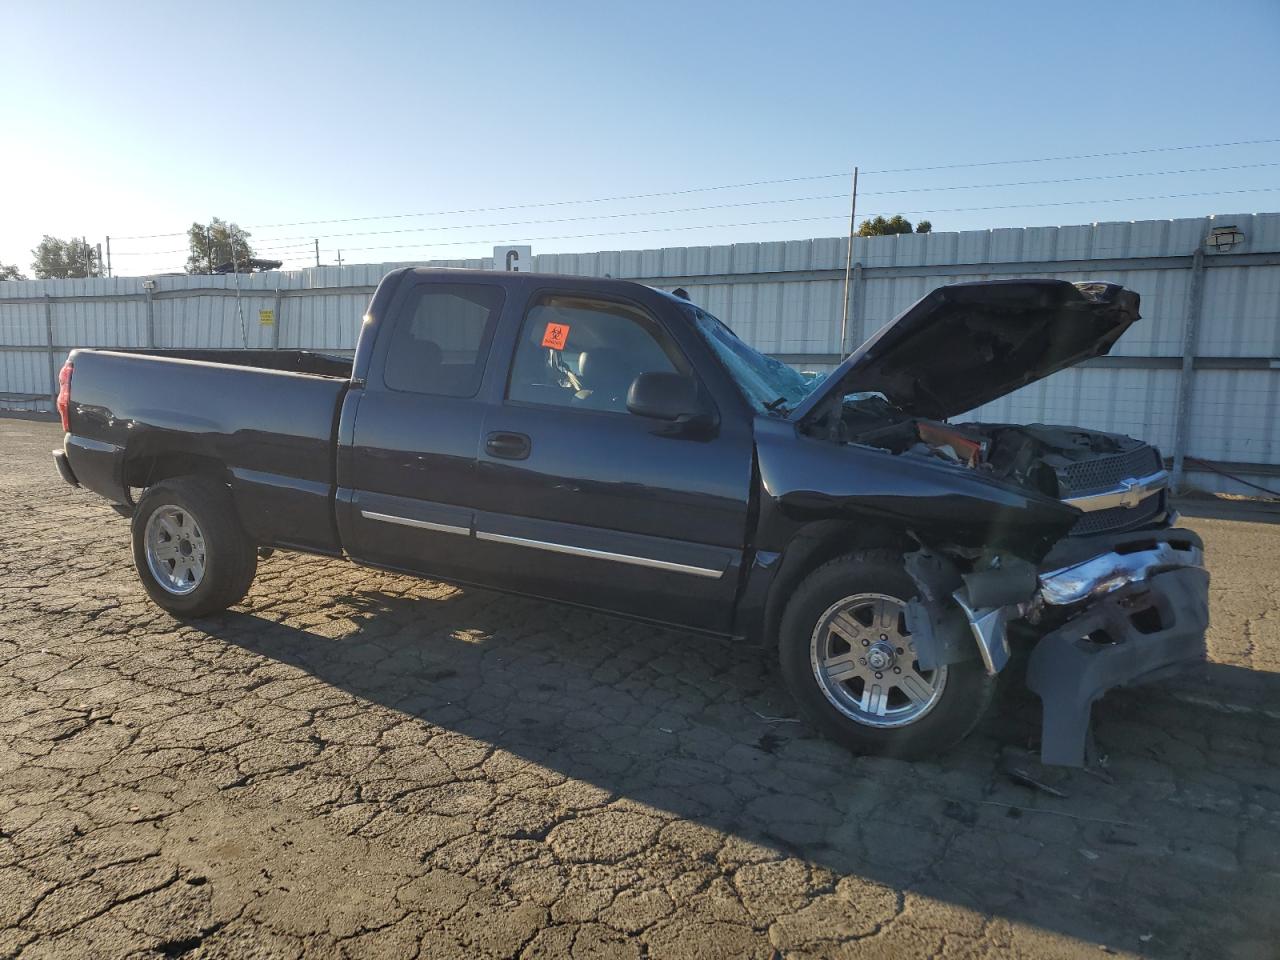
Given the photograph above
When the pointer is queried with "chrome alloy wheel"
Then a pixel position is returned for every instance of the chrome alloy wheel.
(175, 550)
(864, 660)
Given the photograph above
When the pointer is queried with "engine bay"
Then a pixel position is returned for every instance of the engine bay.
(1048, 459)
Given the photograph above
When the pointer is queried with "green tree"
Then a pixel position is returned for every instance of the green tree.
(56, 259)
(215, 243)
(924, 226)
(9, 271)
(880, 227)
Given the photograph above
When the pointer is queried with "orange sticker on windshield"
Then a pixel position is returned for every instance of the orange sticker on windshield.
(555, 336)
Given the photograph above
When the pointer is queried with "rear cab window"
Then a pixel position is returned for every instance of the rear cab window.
(441, 339)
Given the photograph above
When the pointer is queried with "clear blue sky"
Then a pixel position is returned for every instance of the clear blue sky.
(140, 118)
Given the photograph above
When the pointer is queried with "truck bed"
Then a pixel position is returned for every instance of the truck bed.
(264, 418)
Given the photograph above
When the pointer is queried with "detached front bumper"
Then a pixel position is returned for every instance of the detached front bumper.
(1133, 613)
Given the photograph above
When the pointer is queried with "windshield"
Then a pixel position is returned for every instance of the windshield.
(770, 385)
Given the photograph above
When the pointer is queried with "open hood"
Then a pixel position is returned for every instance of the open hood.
(967, 344)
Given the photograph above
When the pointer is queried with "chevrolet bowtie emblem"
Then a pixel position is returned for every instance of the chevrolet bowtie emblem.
(1132, 493)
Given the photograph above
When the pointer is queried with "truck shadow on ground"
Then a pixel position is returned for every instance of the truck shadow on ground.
(1174, 841)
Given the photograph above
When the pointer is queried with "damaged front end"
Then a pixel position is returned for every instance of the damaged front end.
(1104, 612)
(1054, 533)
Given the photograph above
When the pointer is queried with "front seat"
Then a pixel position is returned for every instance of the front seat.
(606, 374)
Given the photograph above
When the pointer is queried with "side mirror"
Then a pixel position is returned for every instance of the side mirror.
(667, 396)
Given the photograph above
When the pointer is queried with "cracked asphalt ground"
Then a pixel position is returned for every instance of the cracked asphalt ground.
(357, 764)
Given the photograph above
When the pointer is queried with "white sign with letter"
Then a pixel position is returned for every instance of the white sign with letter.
(513, 259)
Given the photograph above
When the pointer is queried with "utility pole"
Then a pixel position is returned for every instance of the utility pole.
(108, 256)
(339, 259)
(317, 251)
(235, 266)
(208, 249)
(848, 265)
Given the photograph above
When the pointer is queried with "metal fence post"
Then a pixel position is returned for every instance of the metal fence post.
(147, 286)
(279, 321)
(1190, 338)
(48, 327)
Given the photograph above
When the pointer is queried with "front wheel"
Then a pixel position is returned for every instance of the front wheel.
(190, 551)
(850, 662)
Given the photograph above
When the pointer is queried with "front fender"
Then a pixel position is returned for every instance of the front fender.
(805, 479)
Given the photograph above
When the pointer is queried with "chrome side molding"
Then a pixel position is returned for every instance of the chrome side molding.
(420, 524)
(601, 554)
(564, 548)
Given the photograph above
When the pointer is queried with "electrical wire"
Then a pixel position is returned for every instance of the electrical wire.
(1078, 156)
(1100, 176)
(1069, 203)
(755, 203)
(709, 226)
(161, 253)
(754, 223)
(578, 236)
(744, 185)
(597, 216)
(759, 183)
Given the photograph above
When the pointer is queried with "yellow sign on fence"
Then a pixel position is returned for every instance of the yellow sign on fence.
(266, 317)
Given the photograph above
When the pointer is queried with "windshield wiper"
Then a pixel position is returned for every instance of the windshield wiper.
(777, 406)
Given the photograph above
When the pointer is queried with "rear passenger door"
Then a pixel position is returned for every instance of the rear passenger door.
(579, 500)
(406, 489)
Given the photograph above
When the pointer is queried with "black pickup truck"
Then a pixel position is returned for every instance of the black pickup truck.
(606, 444)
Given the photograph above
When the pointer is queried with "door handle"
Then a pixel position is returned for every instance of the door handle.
(508, 446)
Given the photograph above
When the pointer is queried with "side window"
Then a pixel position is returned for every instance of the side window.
(441, 339)
(582, 353)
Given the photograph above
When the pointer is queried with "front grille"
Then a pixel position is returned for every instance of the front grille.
(1106, 473)
(1119, 518)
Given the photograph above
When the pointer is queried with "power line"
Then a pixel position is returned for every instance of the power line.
(759, 183)
(301, 245)
(736, 186)
(514, 206)
(756, 203)
(162, 253)
(598, 216)
(1069, 203)
(1080, 156)
(1099, 176)
(753, 223)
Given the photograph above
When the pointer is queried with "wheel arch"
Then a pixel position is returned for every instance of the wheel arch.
(817, 543)
(144, 469)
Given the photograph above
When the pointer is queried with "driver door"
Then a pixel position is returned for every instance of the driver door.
(579, 500)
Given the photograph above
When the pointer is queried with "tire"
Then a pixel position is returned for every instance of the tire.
(844, 621)
(199, 513)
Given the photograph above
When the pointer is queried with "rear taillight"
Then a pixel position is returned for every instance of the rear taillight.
(64, 395)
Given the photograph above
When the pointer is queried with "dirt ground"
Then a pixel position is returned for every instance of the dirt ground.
(356, 764)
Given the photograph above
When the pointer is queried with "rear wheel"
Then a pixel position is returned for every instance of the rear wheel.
(189, 548)
(850, 662)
